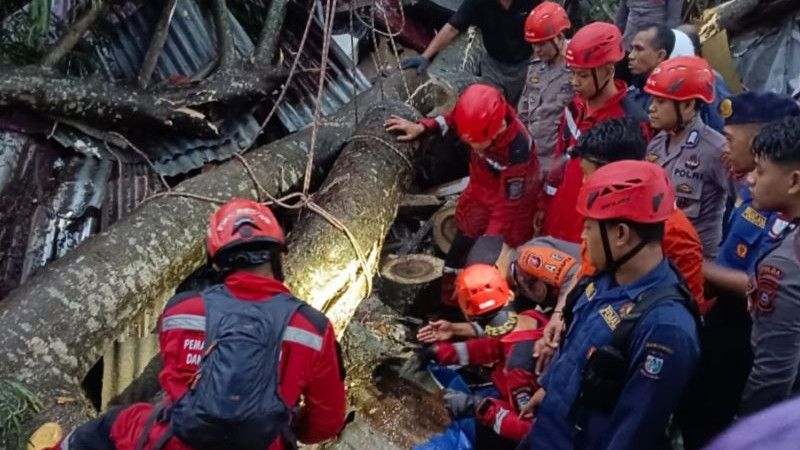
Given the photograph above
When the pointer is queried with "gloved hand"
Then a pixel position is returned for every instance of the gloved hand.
(461, 405)
(419, 62)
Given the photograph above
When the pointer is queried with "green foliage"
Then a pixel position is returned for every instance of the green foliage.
(16, 405)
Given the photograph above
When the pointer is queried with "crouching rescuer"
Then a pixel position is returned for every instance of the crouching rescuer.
(246, 365)
(484, 297)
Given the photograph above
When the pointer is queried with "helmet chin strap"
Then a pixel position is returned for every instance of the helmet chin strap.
(598, 89)
(611, 264)
(679, 117)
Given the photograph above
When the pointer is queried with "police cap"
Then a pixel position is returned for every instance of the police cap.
(757, 107)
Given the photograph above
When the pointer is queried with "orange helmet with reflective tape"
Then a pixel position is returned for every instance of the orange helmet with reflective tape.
(481, 289)
(547, 264)
(545, 22)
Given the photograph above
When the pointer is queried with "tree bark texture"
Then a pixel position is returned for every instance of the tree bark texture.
(57, 324)
(362, 190)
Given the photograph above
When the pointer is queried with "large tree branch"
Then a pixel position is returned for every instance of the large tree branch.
(74, 34)
(99, 102)
(271, 30)
(160, 35)
(226, 53)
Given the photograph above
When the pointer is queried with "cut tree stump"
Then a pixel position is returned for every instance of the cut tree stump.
(407, 277)
(444, 227)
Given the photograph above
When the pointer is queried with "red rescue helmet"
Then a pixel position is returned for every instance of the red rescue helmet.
(244, 223)
(481, 289)
(546, 264)
(636, 191)
(595, 45)
(479, 113)
(682, 78)
(545, 22)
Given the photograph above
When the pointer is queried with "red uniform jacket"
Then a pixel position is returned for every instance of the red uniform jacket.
(310, 368)
(504, 184)
(513, 375)
(562, 221)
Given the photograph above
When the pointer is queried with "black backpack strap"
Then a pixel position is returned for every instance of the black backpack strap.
(572, 299)
(644, 303)
(156, 416)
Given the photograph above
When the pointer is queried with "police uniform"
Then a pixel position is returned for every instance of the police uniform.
(702, 183)
(664, 350)
(774, 292)
(547, 91)
(751, 233)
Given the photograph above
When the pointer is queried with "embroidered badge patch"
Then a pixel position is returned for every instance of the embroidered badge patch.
(590, 291)
(610, 317)
(768, 281)
(741, 250)
(652, 157)
(754, 217)
(692, 162)
(693, 139)
(514, 188)
(777, 228)
(653, 366)
(684, 188)
(626, 309)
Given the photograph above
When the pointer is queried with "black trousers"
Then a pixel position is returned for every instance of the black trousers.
(722, 374)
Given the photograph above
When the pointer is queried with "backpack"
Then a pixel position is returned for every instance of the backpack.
(234, 403)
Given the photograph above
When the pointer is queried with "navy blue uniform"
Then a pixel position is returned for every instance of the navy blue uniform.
(663, 352)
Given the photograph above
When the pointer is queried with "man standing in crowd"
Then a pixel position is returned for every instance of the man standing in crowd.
(727, 355)
(504, 175)
(689, 150)
(654, 44)
(774, 289)
(633, 14)
(502, 27)
(547, 88)
(619, 140)
(633, 334)
(591, 56)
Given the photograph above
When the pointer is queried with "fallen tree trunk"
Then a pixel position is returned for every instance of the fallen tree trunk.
(363, 191)
(57, 324)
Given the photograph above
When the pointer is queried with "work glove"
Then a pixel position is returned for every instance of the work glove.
(460, 405)
(419, 62)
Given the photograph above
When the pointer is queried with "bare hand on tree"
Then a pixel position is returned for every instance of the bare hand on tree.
(407, 130)
(440, 330)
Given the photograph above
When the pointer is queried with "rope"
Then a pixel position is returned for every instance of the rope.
(386, 143)
(288, 81)
(326, 40)
(394, 45)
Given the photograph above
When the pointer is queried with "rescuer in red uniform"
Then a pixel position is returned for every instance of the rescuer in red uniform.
(507, 343)
(244, 240)
(591, 55)
(504, 173)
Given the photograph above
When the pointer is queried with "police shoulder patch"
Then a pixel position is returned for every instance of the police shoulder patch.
(693, 139)
(652, 366)
(768, 278)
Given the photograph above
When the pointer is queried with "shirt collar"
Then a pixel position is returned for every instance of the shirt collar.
(249, 286)
(662, 274)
